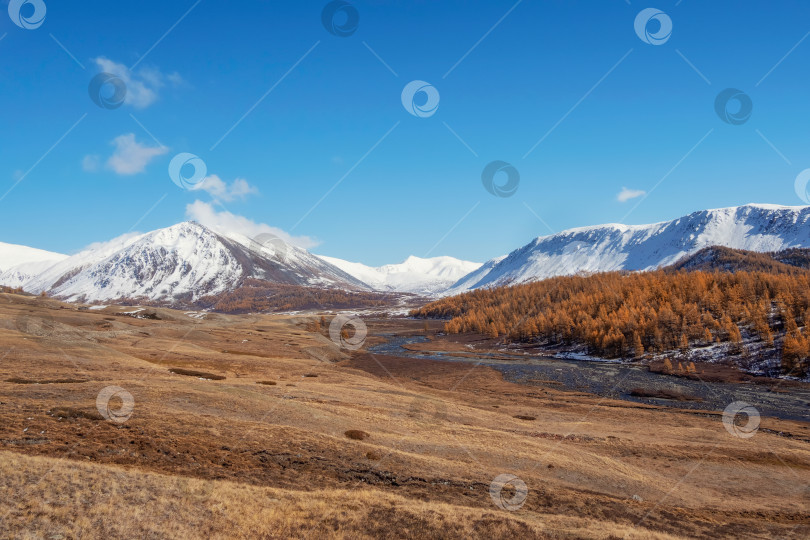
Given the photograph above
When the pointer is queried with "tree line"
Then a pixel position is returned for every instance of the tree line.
(620, 314)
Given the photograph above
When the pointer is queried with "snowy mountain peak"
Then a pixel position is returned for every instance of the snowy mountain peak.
(187, 261)
(753, 227)
(181, 263)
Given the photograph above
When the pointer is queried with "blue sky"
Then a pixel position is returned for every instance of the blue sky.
(615, 115)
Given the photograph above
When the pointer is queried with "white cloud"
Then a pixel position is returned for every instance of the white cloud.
(229, 224)
(220, 189)
(142, 85)
(111, 246)
(131, 157)
(91, 163)
(627, 194)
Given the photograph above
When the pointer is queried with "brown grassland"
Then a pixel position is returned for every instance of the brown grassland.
(369, 447)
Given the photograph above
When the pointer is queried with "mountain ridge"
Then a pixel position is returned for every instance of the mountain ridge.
(717, 258)
(188, 261)
(183, 262)
(601, 248)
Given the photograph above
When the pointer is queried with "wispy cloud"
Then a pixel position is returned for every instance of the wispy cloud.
(111, 246)
(627, 194)
(131, 157)
(142, 85)
(91, 163)
(228, 224)
(221, 190)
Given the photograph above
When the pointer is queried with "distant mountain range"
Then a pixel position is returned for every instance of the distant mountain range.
(415, 275)
(181, 263)
(186, 262)
(602, 248)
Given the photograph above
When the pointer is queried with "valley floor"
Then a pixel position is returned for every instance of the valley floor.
(239, 457)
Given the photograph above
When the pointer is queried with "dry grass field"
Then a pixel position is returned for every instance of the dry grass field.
(238, 429)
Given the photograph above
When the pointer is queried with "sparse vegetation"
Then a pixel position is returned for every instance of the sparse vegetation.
(263, 296)
(220, 460)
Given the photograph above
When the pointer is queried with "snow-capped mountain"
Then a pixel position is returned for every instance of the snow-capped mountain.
(185, 262)
(753, 227)
(414, 275)
(181, 263)
(18, 264)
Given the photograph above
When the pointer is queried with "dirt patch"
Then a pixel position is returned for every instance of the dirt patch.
(663, 394)
(357, 435)
(198, 374)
